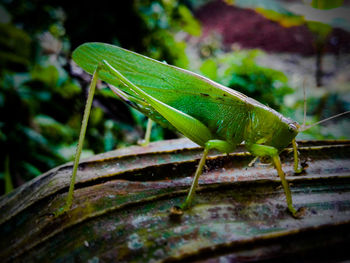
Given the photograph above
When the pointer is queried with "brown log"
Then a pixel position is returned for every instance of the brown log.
(122, 200)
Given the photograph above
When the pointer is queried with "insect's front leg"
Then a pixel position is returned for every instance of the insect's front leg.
(297, 166)
(264, 150)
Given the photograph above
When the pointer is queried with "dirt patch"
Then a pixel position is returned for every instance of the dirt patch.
(249, 29)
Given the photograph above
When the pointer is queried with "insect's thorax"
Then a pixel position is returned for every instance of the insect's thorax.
(231, 127)
(268, 127)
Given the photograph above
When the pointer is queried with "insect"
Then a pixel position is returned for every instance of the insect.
(211, 115)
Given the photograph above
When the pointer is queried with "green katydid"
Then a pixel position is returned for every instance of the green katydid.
(211, 115)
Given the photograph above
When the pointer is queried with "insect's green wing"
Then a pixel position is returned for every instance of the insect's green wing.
(143, 107)
(214, 105)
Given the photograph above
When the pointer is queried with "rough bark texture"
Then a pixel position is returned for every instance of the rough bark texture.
(122, 200)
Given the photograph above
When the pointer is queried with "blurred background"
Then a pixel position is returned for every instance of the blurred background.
(264, 48)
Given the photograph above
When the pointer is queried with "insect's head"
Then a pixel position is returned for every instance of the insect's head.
(268, 127)
(286, 130)
(293, 126)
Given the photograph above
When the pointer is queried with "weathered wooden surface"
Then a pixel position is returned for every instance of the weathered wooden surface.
(122, 201)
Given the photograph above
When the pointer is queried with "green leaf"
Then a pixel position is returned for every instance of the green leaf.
(288, 20)
(69, 89)
(322, 30)
(273, 5)
(337, 17)
(209, 69)
(273, 10)
(49, 75)
(5, 16)
(297, 14)
(326, 4)
(35, 136)
(32, 170)
(52, 128)
(15, 47)
(188, 23)
(7, 176)
(67, 152)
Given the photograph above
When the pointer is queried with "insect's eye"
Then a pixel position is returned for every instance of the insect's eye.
(292, 127)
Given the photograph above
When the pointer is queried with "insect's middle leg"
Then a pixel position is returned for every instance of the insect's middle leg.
(264, 150)
(297, 167)
(147, 138)
(220, 145)
(134, 101)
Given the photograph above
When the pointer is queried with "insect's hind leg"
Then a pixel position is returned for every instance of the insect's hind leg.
(264, 150)
(86, 115)
(220, 145)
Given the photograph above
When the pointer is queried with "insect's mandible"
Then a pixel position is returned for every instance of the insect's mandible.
(206, 112)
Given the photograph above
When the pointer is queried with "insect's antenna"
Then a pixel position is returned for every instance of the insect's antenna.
(304, 91)
(302, 127)
(306, 127)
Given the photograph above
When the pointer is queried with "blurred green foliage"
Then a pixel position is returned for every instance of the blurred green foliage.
(321, 104)
(240, 71)
(164, 19)
(320, 16)
(33, 123)
(324, 4)
(14, 47)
